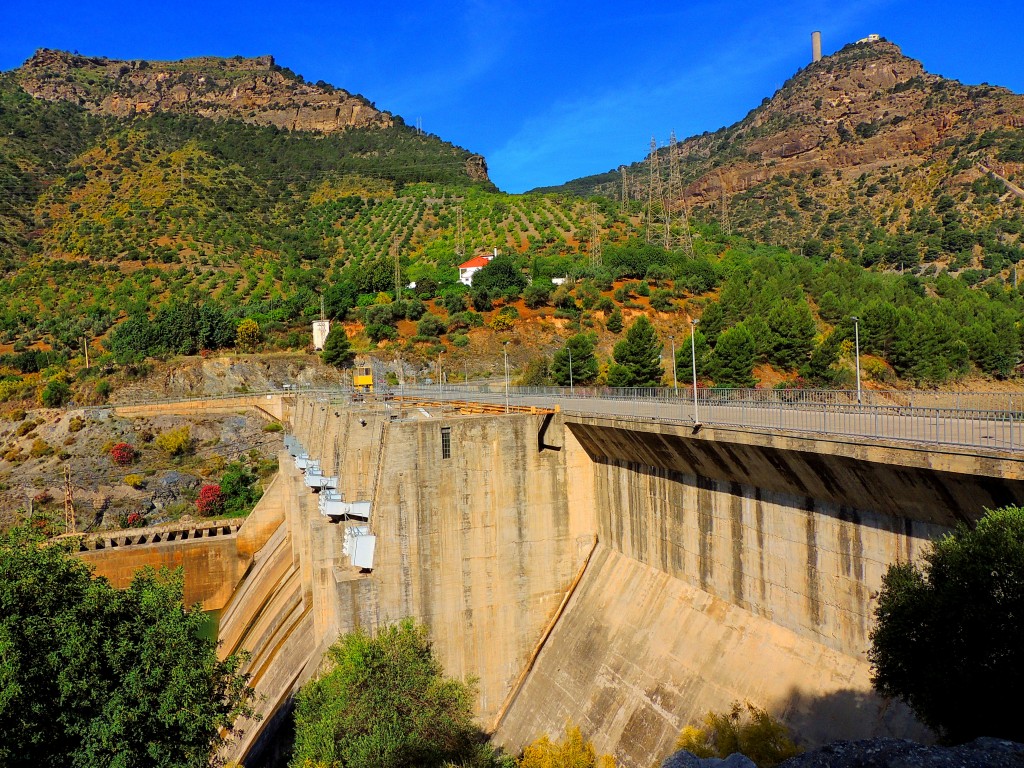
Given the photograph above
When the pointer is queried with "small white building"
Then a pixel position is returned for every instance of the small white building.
(869, 39)
(474, 265)
(320, 330)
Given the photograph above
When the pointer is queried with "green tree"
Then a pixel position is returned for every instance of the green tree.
(618, 376)
(732, 362)
(239, 489)
(685, 354)
(501, 276)
(584, 363)
(55, 393)
(614, 323)
(91, 676)
(337, 349)
(791, 331)
(949, 635)
(640, 354)
(385, 704)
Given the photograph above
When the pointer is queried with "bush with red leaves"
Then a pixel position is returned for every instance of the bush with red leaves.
(123, 454)
(210, 501)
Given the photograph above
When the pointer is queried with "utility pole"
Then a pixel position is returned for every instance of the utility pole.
(460, 234)
(595, 237)
(676, 195)
(69, 501)
(85, 346)
(398, 268)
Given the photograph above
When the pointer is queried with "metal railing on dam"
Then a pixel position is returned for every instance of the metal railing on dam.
(991, 420)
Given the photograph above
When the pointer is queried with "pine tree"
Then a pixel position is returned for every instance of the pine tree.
(685, 354)
(614, 323)
(584, 363)
(337, 349)
(733, 359)
(640, 354)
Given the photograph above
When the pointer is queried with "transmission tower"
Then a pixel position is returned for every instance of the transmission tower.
(595, 237)
(653, 187)
(676, 198)
(725, 206)
(460, 234)
(625, 188)
(69, 502)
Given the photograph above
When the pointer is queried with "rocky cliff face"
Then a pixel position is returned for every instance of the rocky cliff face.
(254, 90)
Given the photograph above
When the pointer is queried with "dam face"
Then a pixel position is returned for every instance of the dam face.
(625, 576)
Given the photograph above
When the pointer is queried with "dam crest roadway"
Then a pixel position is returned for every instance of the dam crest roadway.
(593, 555)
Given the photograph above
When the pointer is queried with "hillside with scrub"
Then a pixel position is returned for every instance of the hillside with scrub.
(159, 231)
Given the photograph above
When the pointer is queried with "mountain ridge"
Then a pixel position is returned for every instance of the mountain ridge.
(253, 90)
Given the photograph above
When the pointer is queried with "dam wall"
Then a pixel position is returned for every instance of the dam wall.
(737, 567)
(481, 546)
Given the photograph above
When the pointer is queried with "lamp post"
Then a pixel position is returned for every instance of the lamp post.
(439, 375)
(856, 341)
(693, 355)
(675, 383)
(504, 346)
(569, 350)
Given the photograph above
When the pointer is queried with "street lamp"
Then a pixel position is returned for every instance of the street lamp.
(675, 384)
(439, 395)
(569, 349)
(856, 341)
(693, 355)
(504, 345)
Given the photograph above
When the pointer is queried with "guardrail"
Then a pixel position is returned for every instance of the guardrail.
(991, 420)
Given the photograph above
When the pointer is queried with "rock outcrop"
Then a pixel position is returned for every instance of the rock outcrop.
(896, 753)
(255, 91)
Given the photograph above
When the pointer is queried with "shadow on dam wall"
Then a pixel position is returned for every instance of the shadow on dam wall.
(727, 566)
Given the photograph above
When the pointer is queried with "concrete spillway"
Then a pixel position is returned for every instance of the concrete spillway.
(627, 576)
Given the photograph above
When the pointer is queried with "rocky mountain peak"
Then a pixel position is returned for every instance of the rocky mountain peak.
(253, 90)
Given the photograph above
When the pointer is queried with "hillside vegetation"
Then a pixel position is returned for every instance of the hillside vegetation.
(158, 231)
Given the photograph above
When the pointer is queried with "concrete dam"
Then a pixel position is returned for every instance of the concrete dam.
(627, 575)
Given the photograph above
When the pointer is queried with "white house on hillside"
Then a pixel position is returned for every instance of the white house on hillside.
(474, 265)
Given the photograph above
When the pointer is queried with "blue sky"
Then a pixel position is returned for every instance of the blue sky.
(547, 91)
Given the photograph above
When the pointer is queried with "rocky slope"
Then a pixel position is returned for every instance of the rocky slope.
(255, 91)
(865, 136)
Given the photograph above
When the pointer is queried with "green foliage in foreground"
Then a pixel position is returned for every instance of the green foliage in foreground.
(94, 677)
(385, 704)
(949, 639)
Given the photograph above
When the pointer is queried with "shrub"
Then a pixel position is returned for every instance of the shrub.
(210, 501)
(76, 424)
(274, 426)
(175, 442)
(55, 393)
(572, 752)
(537, 295)
(247, 335)
(134, 481)
(430, 325)
(123, 454)
(40, 448)
(460, 340)
(26, 426)
(745, 729)
(17, 415)
(102, 389)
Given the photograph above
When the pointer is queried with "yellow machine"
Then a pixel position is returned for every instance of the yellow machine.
(362, 376)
